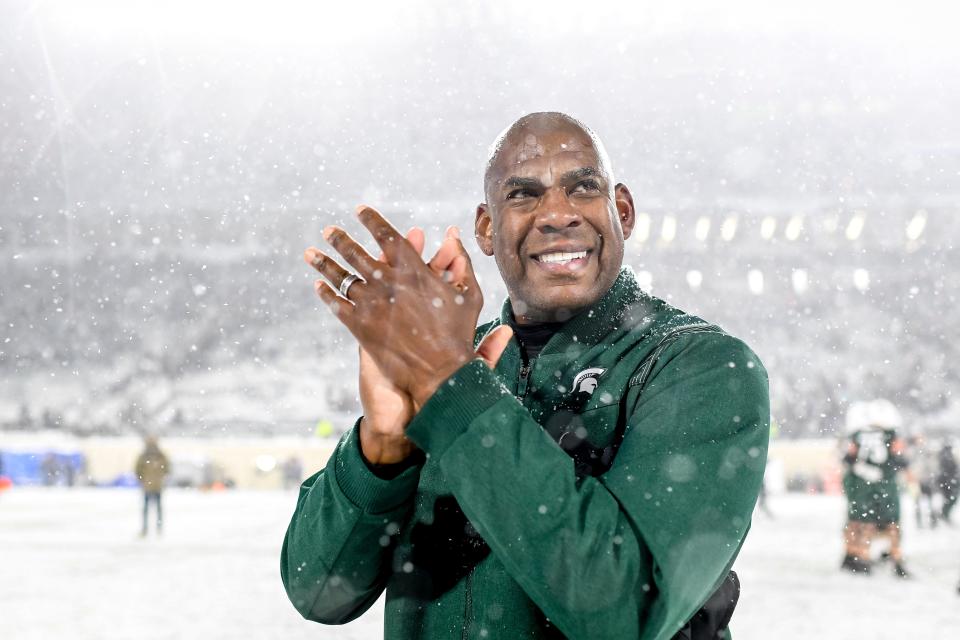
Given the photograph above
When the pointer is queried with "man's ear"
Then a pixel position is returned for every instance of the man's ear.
(483, 229)
(625, 210)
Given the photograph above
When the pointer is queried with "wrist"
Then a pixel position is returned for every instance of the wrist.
(425, 389)
(379, 448)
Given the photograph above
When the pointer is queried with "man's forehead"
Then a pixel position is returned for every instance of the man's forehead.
(528, 151)
(528, 145)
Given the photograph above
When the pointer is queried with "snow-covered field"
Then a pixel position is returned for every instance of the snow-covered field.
(72, 566)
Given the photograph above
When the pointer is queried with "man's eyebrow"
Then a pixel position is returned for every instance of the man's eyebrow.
(518, 181)
(582, 172)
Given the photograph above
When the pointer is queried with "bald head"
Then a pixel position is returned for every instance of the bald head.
(553, 218)
(530, 137)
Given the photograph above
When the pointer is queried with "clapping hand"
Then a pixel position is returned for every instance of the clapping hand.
(414, 322)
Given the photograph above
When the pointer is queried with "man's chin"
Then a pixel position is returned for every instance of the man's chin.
(559, 307)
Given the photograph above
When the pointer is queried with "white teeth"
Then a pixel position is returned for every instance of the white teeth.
(562, 256)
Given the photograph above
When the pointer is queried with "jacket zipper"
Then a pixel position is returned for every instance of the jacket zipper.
(524, 377)
(468, 586)
(468, 607)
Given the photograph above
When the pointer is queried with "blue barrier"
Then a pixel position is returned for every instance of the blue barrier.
(44, 468)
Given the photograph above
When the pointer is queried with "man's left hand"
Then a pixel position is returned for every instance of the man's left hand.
(417, 327)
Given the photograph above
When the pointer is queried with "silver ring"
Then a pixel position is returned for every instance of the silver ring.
(347, 282)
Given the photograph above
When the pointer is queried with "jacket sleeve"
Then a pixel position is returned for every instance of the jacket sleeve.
(634, 553)
(337, 551)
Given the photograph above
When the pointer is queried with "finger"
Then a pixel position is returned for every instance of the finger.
(452, 261)
(415, 237)
(445, 255)
(493, 345)
(395, 247)
(329, 269)
(341, 307)
(461, 271)
(354, 254)
(458, 270)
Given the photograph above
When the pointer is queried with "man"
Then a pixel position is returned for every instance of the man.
(292, 472)
(592, 478)
(875, 456)
(152, 468)
(923, 462)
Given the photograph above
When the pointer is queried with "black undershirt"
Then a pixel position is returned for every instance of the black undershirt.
(534, 337)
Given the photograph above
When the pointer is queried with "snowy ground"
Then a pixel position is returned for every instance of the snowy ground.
(71, 565)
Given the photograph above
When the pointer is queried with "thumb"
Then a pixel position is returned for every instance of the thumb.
(492, 346)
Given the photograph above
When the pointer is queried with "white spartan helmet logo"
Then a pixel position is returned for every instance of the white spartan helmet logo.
(586, 380)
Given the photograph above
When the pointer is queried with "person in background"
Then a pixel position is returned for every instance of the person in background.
(924, 466)
(50, 470)
(875, 456)
(948, 480)
(152, 469)
(292, 472)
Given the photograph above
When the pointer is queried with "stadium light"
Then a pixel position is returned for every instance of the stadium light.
(768, 227)
(861, 279)
(794, 227)
(729, 228)
(694, 279)
(855, 226)
(702, 229)
(755, 281)
(641, 229)
(916, 225)
(800, 280)
(669, 229)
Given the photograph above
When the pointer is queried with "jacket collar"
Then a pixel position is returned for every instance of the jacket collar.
(604, 316)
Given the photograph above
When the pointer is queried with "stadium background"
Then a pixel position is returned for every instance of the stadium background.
(797, 178)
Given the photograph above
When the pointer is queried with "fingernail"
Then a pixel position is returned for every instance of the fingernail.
(327, 232)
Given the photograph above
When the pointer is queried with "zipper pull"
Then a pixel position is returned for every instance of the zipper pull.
(524, 377)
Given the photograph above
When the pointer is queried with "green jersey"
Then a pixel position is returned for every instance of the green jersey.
(870, 481)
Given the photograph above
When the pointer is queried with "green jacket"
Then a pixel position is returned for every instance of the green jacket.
(497, 536)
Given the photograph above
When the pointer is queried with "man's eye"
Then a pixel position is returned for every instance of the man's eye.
(586, 186)
(516, 194)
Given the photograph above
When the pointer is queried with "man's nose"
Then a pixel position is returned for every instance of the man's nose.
(557, 213)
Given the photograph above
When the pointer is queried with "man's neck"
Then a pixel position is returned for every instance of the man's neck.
(540, 317)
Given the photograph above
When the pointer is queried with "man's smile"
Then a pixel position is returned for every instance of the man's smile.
(568, 261)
